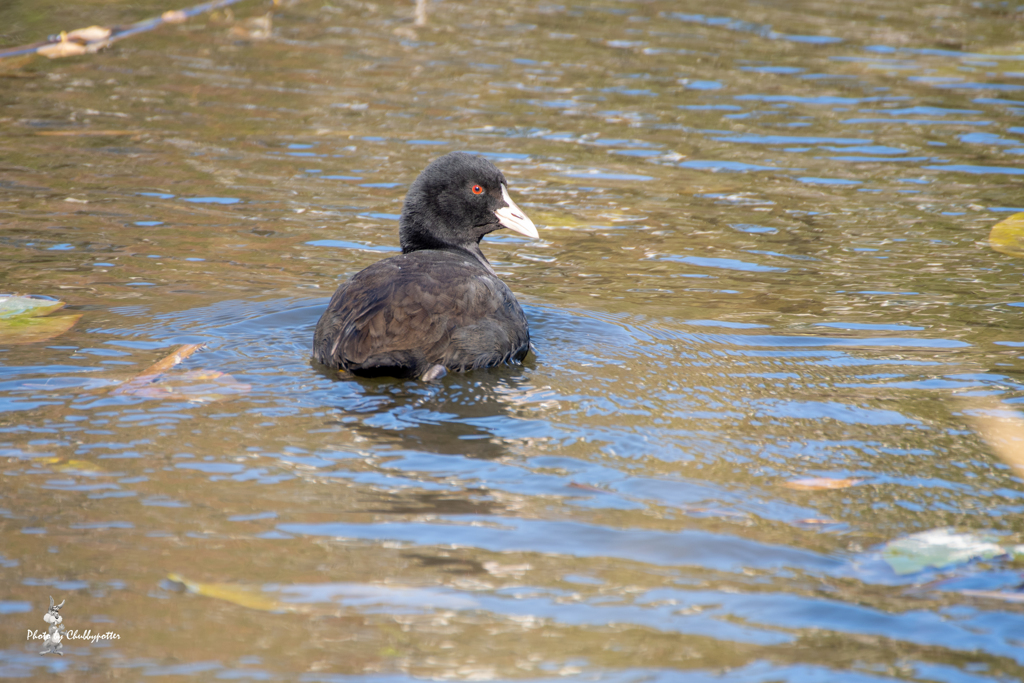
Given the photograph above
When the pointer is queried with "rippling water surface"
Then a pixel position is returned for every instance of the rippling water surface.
(763, 257)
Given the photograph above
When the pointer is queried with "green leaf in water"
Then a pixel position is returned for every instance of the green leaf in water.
(939, 548)
(12, 306)
(22, 321)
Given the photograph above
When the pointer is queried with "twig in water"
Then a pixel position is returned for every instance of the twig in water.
(95, 38)
(150, 374)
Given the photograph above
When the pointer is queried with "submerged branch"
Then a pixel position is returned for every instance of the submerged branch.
(154, 371)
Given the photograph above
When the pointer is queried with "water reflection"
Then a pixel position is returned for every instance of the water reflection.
(464, 415)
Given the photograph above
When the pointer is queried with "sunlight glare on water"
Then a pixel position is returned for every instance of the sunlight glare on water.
(763, 262)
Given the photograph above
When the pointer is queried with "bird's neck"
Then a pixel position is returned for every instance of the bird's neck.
(413, 239)
(470, 249)
(475, 251)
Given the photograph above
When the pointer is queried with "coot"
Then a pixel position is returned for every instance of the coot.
(438, 306)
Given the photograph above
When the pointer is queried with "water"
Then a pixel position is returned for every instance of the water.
(763, 257)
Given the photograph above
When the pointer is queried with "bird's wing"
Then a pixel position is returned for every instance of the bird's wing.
(402, 311)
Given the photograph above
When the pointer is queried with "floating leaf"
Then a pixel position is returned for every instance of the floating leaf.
(1007, 236)
(150, 374)
(203, 386)
(21, 320)
(174, 16)
(89, 35)
(939, 548)
(94, 38)
(83, 466)
(35, 330)
(1001, 427)
(65, 48)
(168, 362)
(252, 597)
(326, 598)
(819, 484)
(71, 465)
(27, 306)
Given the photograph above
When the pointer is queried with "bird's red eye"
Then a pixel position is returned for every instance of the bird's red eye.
(477, 189)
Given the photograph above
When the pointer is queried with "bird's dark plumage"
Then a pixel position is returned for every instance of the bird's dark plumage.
(439, 305)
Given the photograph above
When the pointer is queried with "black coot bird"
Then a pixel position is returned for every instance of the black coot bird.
(438, 306)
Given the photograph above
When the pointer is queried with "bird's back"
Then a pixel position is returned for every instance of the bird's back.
(405, 314)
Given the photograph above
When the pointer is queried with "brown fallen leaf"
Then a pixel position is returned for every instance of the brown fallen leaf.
(79, 466)
(88, 35)
(175, 16)
(150, 374)
(819, 484)
(165, 364)
(252, 597)
(205, 386)
(1001, 427)
(65, 48)
(92, 39)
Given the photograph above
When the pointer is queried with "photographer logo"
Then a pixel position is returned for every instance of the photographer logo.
(54, 637)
